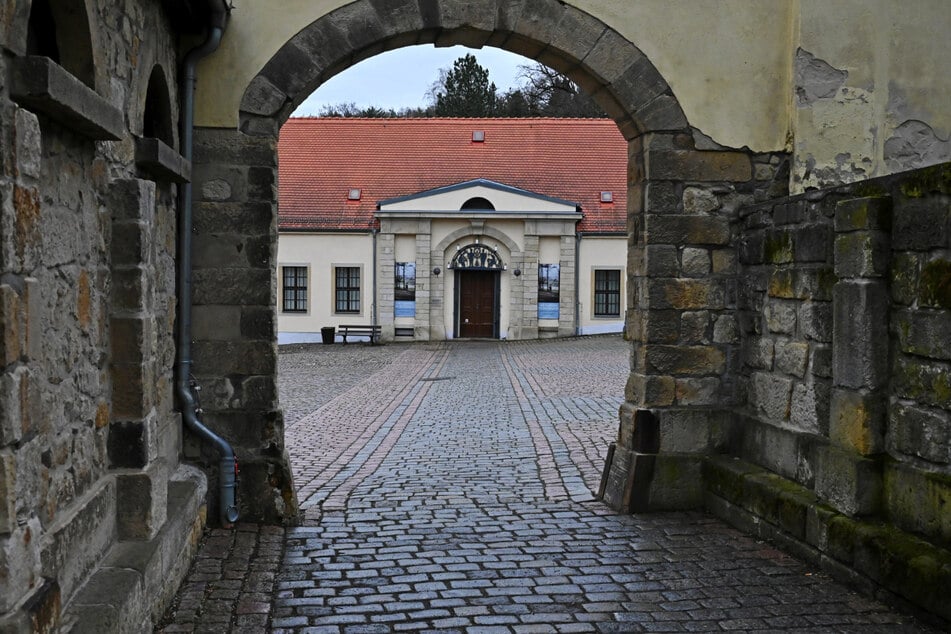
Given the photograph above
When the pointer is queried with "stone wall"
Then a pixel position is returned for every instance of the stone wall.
(844, 437)
(89, 439)
(235, 329)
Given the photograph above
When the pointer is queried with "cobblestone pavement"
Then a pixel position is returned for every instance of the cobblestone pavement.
(447, 488)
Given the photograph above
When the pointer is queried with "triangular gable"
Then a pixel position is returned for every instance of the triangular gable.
(452, 197)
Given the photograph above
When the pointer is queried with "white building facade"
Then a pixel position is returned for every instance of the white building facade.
(473, 259)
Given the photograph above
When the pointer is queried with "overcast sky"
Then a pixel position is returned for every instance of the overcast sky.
(401, 78)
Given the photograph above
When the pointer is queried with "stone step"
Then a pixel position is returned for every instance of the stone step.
(878, 558)
(136, 580)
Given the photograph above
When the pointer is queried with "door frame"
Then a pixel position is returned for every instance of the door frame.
(496, 301)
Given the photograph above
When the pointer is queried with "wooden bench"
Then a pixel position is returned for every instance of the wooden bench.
(360, 330)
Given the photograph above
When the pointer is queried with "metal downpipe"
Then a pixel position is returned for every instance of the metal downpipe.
(184, 387)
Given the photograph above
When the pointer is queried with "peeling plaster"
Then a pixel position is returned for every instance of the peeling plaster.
(816, 79)
(915, 144)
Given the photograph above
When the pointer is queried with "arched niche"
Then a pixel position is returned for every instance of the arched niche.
(59, 29)
(157, 122)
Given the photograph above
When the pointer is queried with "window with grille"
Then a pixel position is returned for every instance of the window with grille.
(607, 293)
(347, 289)
(294, 293)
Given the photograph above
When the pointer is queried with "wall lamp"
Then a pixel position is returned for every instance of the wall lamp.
(437, 271)
(517, 272)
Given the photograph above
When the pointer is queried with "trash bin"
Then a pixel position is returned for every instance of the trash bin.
(327, 334)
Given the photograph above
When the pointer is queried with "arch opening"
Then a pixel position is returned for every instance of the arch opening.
(609, 68)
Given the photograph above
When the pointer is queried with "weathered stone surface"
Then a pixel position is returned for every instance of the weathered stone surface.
(687, 165)
(20, 560)
(857, 421)
(815, 321)
(849, 482)
(650, 390)
(864, 214)
(725, 329)
(799, 283)
(685, 360)
(934, 289)
(809, 408)
(28, 144)
(924, 332)
(40, 84)
(697, 200)
(262, 97)
(918, 501)
(758, 353)
(142, 502)
(686, 294)
(791, 357)
(860, 335)
(8, 495)
(862, 254)
(923, 380)
(920, 226)
(695, 262)
(770, 395)
(921, 432)
(695, 327)
(781, 317)
(697, 391)
(681, 230)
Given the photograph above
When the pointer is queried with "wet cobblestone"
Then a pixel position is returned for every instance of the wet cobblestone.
(447, 488)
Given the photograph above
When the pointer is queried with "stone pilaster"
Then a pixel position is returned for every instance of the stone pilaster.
(236, 363)
(528, 291)
(428, 302)
(849, 475)
(385, 271)
(568, 297)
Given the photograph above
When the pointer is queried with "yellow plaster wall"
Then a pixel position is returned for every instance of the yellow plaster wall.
(730, 64)
(897, 57)
(726, 60)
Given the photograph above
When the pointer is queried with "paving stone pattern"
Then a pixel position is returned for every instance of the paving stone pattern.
(447, 488)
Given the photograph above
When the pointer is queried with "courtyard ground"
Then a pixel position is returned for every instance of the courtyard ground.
(448, 487)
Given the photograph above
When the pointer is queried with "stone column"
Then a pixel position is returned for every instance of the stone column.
(676, 394)
(849, 474)
(235, 338)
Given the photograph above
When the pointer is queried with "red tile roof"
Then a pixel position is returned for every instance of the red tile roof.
(322, 159)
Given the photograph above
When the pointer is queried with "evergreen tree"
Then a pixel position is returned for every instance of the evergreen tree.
(467, 91)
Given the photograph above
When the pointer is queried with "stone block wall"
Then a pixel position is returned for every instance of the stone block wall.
(235, 334)
(785, 314)
(89, 437)
(845, 307)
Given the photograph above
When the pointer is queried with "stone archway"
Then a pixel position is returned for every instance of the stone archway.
(236, 171)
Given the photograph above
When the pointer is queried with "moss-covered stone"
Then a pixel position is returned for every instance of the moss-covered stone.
(924, 380)
(778, 248)
(935, 287)
(928, 180)
(903, 277)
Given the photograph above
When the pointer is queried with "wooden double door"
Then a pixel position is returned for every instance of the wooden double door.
(477, 304)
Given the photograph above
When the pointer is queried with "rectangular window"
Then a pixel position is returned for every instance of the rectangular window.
(404, 289)
(294, 285)
(347, 289)
(549, 276)
(405, 281)
(607, 293)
